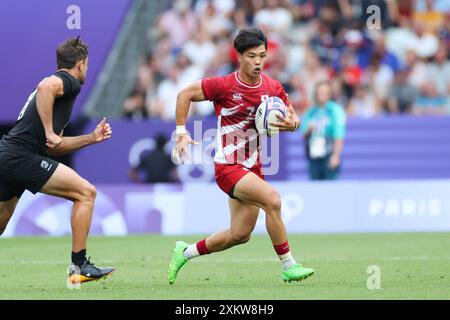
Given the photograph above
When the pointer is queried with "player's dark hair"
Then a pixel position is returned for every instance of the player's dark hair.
(249, 38)
(70, 52)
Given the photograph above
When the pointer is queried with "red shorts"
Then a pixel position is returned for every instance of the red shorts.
(227, 175)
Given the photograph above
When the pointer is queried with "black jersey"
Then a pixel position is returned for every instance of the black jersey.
(28, 133)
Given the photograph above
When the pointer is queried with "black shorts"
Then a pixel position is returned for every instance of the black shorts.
(20, 171)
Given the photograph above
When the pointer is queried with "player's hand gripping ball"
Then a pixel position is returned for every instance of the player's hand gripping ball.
(268, 112)
(273, 116)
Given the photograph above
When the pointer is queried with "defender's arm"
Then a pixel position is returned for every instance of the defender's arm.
(69, 144)
(47, 90)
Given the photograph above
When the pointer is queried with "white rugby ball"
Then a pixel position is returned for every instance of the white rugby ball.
(267, 113)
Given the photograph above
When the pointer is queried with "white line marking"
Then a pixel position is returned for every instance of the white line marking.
(234, 260)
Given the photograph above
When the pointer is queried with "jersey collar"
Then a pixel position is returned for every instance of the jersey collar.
(246, 85)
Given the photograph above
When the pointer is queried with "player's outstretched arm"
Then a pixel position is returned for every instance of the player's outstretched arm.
(47, 90)
(101, 133)
(192, 93)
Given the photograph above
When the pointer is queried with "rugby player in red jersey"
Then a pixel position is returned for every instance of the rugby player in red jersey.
(237, 161)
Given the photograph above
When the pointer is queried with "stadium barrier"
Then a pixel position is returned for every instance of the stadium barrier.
(201, 208)
(382, 148)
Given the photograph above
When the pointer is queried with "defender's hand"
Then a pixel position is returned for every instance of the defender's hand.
(53, 140)
(180, 152)
(288, 123)
(102, 131)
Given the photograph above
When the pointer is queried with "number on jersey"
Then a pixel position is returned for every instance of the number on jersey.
(30, 97)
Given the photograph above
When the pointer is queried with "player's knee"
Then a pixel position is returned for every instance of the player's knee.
(92, 191)
(273, 205)
(240, 237)
(89, 192)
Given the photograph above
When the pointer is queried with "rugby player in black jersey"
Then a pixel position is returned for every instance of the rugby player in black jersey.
(25, 152)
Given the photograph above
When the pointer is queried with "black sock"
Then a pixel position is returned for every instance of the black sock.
(78, 258)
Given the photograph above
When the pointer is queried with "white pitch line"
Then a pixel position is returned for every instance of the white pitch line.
(47, 262)
(328, 259)
(233, 260)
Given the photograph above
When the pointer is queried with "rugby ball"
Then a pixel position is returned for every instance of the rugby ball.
(267, 113)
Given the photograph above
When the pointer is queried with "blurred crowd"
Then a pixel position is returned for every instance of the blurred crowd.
(380, 56)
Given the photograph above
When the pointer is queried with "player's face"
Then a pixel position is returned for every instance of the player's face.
(83, 67)
(252, 61)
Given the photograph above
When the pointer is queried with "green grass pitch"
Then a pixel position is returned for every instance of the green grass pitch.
(412, 266)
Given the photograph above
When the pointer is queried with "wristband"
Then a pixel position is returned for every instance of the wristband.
(180, 130)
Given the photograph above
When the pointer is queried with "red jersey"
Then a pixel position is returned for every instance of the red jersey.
(235, 104)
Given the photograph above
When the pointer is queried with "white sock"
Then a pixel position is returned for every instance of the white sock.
(191, 251)
(287, 260)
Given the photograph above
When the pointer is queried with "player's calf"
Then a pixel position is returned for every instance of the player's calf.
(3, 223)
(6, 211)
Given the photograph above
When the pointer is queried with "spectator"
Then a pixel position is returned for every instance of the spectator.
(405, 10)
(401, 96)
(337, 91)
(379, 48)
(156, 165)
(364, 104)
(442, 6)
(323, 42)
(426, 43)
(350, 72)
(433, 98)
(358, 45)
(216, 22)
(188, 72)
(308, 9)
(323, 127)
(276, 18)
(134, 106)
(178, 23)
(200, 49)
(223, 7)
(312, 73)
(438, 73)
(309, 42)
(146, 74)
(303, 10)
(379, 76)
(164, 103)
(431, 18)
(417, 70)
(221, 63)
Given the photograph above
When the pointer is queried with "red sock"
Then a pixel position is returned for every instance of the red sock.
(282, 248)
(201, 247)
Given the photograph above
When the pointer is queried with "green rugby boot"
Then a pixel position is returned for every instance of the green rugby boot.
(296, 273)
(178, 260)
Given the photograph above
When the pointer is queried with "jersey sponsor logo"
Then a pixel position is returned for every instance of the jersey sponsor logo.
(238, 96)
(45, 165)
